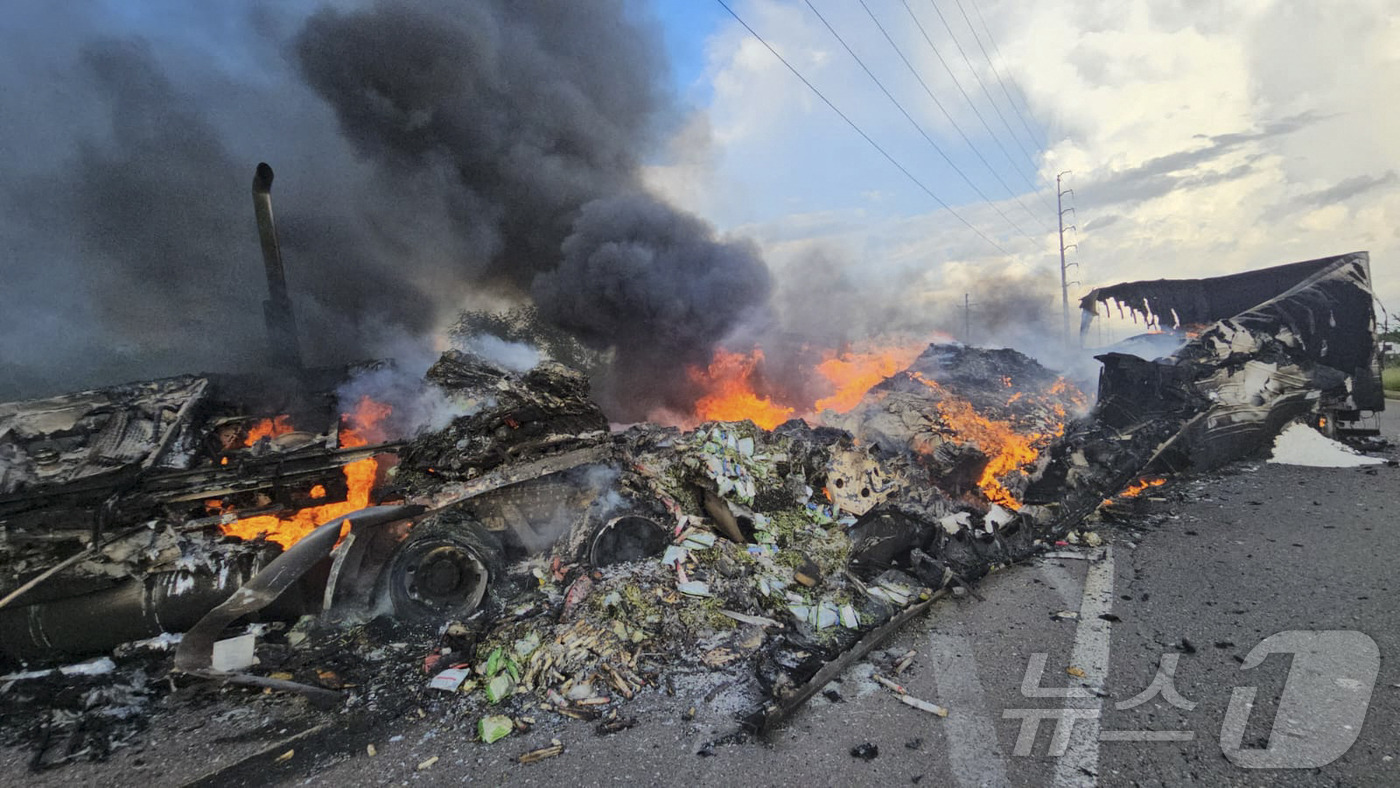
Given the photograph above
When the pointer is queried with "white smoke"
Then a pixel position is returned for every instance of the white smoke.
(516, 357)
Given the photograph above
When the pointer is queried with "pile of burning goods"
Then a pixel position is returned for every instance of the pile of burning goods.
(533, 562)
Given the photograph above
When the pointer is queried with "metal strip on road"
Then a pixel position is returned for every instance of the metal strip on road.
(1079, 766)
(973, 752)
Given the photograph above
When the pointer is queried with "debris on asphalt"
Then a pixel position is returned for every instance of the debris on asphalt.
(1300, 444)
(614, 723)
(556, 747)
(233, 654)
(494, 728)
(905, 660)
(520, 561)
(887, 684)
(450, 679)
(923, 705)
(865, 752)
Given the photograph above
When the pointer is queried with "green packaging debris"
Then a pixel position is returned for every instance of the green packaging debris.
(500, 688)
(494, 728)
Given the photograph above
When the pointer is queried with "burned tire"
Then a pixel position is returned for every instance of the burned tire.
(443, 569)
(630, 537)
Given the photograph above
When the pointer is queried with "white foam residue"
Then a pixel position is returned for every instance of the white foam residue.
(1300, 444)
(96, 667)
(183, 582)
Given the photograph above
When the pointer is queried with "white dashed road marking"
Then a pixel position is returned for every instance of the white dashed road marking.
(973, 750)
(1079, 766)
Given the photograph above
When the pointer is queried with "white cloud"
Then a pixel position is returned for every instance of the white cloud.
(1206, 137)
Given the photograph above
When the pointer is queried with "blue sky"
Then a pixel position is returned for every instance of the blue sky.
(687, 25)
(1205, 136)
(829, 166)
(1166, 115)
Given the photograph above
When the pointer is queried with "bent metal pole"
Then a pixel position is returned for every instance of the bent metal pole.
(284, 347)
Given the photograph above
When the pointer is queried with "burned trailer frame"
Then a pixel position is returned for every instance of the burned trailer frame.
(1322, 310)
(1307, 349)
(165, 564)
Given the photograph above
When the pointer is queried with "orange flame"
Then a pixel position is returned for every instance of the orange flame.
(730, 395)
(729, 383)
(1137, 488)
(855, 372)
(1007, 449)
(361, 426)
(268, 428)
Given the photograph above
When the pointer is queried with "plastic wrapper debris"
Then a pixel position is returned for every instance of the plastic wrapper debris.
(451, 679)
(494, 728)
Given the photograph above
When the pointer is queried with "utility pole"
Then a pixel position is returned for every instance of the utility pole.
(967, 319)
(1064, 267)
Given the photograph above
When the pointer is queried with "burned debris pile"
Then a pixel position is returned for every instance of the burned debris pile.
(562, 566)
(976, 420)
(129, 491)
(517, 560)
(509, 417)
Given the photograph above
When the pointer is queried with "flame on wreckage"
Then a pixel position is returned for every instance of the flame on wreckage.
(611, 556)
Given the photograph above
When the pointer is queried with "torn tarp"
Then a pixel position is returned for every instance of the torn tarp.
(1175, 303)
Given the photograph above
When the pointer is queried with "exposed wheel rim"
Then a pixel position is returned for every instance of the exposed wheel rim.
(627, 538)
(441, 575)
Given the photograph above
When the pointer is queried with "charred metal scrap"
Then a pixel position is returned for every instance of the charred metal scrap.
(1258, 350)
(126, 489)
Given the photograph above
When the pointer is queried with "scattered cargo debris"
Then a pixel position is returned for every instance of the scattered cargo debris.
(522, 557)
(866, 751)
(1300, 444)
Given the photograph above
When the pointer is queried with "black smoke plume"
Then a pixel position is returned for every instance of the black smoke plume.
(658, 288)
(431, 155)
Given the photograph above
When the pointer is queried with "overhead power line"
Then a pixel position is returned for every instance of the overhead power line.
(1060, 193)
(1029, 134)
(917, 126)
(971, 105)
(1043, 140)
(858, 130)
(947, 114)
(983, 85)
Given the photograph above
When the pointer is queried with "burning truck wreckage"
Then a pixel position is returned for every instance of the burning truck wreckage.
(529, 561)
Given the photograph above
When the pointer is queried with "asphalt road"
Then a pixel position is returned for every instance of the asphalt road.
(1193, 582)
